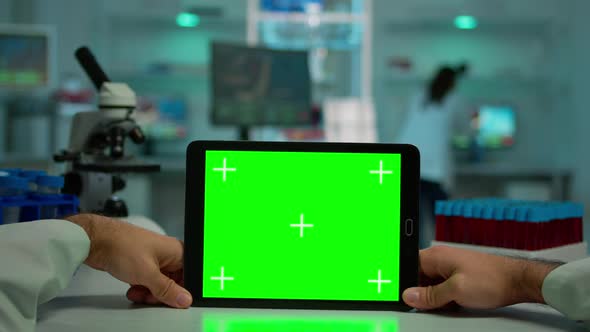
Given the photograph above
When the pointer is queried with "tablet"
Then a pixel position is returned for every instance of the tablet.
(301, 225)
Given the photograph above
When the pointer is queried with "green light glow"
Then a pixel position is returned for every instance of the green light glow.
(235, 322)
(187, 20)
(461, 141)
(465, 22)
(27, 77)
(251, 225)
(21, 78)
(4, 76)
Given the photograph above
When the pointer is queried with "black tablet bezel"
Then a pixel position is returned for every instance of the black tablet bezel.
(194, 222)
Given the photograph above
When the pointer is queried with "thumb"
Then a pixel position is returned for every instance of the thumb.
(430, 297)
(168, 292)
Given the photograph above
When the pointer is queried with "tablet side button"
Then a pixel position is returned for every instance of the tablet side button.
(409, 227)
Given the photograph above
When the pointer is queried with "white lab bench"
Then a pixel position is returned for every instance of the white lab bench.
(94, 301)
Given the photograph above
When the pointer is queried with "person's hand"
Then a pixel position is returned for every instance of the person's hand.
(475, 280)
(151, 263)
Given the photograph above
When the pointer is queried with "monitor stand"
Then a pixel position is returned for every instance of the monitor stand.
(244, 134)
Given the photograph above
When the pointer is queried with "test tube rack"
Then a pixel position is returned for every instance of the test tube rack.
(31, 205)
(501, 223)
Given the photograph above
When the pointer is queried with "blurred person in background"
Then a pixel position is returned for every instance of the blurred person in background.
(428, 127)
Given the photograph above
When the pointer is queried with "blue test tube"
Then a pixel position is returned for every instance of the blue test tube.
(12, 189)
(31, 177)
(48, 189)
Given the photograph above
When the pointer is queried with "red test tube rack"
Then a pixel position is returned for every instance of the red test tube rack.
(521, 225)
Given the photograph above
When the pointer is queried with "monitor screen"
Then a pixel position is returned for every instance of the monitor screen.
(492, 127)
(258, 86)
(293, 227)
(496, 126)
(162, 118)
(24, 59)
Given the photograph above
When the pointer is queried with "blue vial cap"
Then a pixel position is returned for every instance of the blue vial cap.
(573, 210)
(31, 175)
(499, 212)
(439, 207)
(468, 209)
(578, 210)
(13, 182)
(50, 181)
(448, 210)
(539, 213)
(476, 209)
(522, 212)
(11, 171)
(510, 212)
(458, 208)
(561, 210)
(487, 211)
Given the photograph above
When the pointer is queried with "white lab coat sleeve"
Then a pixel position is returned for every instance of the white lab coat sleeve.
(567, 289)
(37, 261)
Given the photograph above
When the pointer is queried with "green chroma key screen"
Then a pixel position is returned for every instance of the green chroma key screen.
(301, 225)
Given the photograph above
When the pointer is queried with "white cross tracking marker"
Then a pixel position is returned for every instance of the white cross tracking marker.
(381, 172)
(301, 225)
(222, 278)
(379, 281)
(224, 169)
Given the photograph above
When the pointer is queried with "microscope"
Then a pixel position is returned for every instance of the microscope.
(96, 158)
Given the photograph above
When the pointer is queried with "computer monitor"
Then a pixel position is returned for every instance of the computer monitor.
(254, 86)
(26, 56)
(493, 126)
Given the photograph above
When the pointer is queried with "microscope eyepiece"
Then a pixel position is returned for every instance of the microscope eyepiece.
(91, 66)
